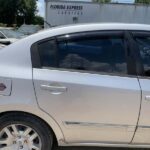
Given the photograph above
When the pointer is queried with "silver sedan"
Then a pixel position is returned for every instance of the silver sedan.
(79, 85)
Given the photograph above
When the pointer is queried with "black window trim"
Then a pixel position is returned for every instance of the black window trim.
(126, 35)
(140, 33)
(134, 34)
(88, 34)
(134, 56)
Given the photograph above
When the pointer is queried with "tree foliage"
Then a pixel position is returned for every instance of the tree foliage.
(17, 11)
(143, 1)
(102, 1)
(39, 20)
(27, 9)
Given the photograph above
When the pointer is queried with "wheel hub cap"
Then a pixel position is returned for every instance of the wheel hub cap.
(19, 137)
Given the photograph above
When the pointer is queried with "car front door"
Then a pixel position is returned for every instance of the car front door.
(82, 81)
(142, 135)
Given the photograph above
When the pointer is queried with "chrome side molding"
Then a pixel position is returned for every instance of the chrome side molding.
(130, 128)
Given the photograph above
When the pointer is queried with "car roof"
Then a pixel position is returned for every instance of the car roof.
(76, 28)
(105, 26)
(68, 29)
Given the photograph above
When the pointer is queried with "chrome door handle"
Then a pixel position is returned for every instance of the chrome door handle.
(54, 89)
(147, 98)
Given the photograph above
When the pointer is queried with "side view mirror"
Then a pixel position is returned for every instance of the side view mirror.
(5, 42)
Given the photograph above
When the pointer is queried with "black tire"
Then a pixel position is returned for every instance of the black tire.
(33, 122)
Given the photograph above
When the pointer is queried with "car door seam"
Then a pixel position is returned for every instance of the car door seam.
(137, 125)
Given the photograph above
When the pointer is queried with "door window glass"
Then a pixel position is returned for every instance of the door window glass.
(93, 54)
(144, 46)
(100, 54)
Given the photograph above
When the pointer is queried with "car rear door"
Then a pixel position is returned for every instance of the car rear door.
(142, 40)
(86, 82)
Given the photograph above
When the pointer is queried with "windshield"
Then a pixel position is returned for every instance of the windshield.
(11, 34)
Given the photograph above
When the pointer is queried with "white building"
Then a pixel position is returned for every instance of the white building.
(70, 12)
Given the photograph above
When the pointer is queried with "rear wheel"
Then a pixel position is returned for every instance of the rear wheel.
(24, 132)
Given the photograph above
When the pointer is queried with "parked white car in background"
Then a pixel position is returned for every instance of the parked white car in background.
(9, 35)
(82, 85)
(29, 29)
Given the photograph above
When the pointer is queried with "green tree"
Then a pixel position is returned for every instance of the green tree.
(39, 20)
(143, 1)
(14, 11)
(27, 9)
(102, 1)
(8, 11)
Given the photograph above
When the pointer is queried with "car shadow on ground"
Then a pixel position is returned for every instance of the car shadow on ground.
(94, 148)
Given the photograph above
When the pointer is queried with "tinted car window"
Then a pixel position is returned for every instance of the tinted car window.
(47, 52)
(106, 54)
(144, 46)
(99, 54)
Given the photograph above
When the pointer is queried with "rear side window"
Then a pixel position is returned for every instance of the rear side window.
(98, 54)
(47, 51)
(144, 47)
